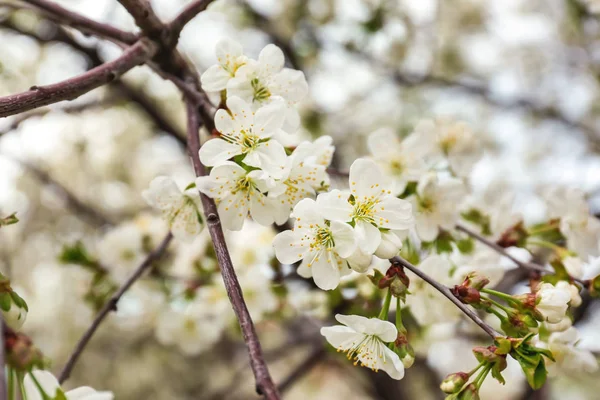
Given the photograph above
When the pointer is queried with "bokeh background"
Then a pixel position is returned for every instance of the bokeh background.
(523, 73)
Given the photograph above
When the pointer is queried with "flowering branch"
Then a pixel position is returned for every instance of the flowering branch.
(72, 88)
(501, 250)
(78, 21)
(264, 383)
(111, 305)
(446, 292)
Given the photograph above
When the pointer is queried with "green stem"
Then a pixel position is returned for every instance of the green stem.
(11, 383)
(500, 306)
(386, 306)
(542, 229)
(20, 378)
(482, 375)
(45, 396)
(506, 297)
(399, 324)
(475, 369)
(497, 314)
(546, 244)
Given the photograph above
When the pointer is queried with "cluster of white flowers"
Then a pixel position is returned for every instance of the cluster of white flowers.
(340, 231)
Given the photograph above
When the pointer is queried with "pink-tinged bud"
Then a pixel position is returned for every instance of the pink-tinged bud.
(454, 382)
(467, 295)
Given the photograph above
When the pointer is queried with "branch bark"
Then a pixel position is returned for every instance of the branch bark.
(186, 15)
(264, 383)
(111, 305)
(448, 294)
(84, 24)
(72, 88)
(502, 251)
(3, 389)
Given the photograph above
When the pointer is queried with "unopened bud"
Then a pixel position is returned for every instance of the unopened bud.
(476, 281)
(14, 308)
(454, 382)
(404, 350)
(399, 289)
(467, 295)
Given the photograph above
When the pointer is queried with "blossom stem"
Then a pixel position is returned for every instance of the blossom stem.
(11, 383)
(471, 372)
(399, 324)
(546, 244)
(500, 306)
(508, 298)
(385, 310)
(446, 292)
(20, 378)
(482, 375)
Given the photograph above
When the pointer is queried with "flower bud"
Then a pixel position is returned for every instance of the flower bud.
(399, 289)
(14, 308)
(475, 280)
(404, 350)
(454, 382)
(467, 295)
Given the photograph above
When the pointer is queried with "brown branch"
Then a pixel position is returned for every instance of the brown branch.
(111, 305)
(84, 24)
(186, 15)
(448, 294)
(264, 383)
(315, 357)
(502, 251)
(72, 88)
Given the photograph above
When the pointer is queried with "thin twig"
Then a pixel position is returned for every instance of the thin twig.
(84, 24)
(302, 369)
(72, 88)
(446, 292)
(264, 383)
(502, 251)
(186, 15)
(111, 305)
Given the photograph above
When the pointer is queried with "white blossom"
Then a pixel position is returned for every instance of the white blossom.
(230, 58)
(193, 328)
(239, 192)
(372, 208)
(181, 210)
(451, 140)
(552, 302)
(402, 160)
(51, 388)
(264, 80)
(323, 248)
(246, 132)
(436, 205)
(364, 340)
(569, 358)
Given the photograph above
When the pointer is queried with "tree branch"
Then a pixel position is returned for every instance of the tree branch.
(446, 292)
(111, 305)
(186, 15)
(264, 383)
(502, 251)
(84, 24)
(72, 88)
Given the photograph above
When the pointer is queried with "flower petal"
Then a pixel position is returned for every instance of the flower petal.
(289, 248)
(271, 59)
(215, 79)
(344, 238)
(334, 206)
(216, 151)
(368, 236)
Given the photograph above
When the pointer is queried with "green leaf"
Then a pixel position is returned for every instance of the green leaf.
(190, 186)
(466, 246)
(5, 301)
(76, 254)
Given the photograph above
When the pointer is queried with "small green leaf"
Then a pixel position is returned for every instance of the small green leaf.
(5, 301)
(11, 219)
(190, 186)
